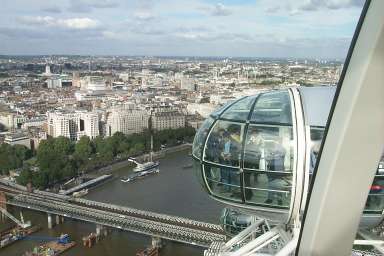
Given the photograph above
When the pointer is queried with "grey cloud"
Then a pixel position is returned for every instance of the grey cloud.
(313, 5)
(220, 10)
(48, 21)
(186, 29)
(273, 9)
(19, 33)
(217, 10)
(214, 36)
(144, 15)
(145, 4)
(52, 9)
(147, 30)
(25, 34)
(88, 5)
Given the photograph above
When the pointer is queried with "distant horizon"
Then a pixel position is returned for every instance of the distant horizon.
(172, 56)
(316, 29)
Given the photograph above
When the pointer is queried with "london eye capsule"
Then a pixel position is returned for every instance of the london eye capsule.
(258, 153)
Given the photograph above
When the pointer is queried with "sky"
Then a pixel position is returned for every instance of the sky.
(241, 28)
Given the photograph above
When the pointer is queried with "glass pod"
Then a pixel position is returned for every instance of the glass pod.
(258, 153)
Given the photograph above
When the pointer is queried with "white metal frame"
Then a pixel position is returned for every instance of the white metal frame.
(353, 144)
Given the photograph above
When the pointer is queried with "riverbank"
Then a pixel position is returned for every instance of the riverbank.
(142, 158)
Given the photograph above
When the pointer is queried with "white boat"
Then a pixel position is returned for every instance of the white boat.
(80, 193)
(146, 166)
(139, 175)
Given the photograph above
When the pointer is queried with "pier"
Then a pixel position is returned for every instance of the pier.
(87, 184)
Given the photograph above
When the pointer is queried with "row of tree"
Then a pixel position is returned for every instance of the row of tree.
(12, 157)
(59, 158)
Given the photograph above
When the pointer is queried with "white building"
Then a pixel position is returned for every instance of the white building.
(53, 83)
(34, 122)
(203, 109)
(73, 125)
(127, 121)
(18, 139)
(169, 119)
(89, 125)
(47, 72)
(58, 81)
(12, 120)
(187, 84)
(76, 79)
(124, 76)
(93, 83)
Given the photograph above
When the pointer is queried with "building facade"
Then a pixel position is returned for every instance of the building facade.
(127, 121)
(169, 119)
(73, 125)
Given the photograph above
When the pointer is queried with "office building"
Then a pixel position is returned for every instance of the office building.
(73, 125)
(127, 121)
(169, 119)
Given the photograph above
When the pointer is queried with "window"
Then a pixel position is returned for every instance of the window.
(268, 165)
(224, 143)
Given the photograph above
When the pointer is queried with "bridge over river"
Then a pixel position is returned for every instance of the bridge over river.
(124, 218)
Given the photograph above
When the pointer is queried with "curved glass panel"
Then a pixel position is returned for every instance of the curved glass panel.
(268, 164)
(219, 110)
(200, 136)
(239, 110)
(223, 181)
(273, 107)
(269, 148)
(224, 143)
(198, 171)
(269, 189)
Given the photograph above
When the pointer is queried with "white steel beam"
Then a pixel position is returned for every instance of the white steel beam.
(352, 147)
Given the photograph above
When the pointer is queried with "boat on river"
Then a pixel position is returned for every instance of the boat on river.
(139, 175)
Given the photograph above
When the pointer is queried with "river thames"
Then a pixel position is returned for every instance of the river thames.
(174, 191)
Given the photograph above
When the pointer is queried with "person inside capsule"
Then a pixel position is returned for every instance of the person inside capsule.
(265, 154)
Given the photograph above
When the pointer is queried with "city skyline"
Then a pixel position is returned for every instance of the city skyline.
(297, 29)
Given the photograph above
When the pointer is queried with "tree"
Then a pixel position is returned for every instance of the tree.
(98, 144)
(12, 157)
(83, 148)
(40, 179)
(138, 148)
(52, 158)
(63, 145)
(25, 177)
(70, 169)
(46, 153)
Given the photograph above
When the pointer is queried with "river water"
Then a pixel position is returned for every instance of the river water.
(174, 191)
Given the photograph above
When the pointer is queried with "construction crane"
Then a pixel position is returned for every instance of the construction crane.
(20, 223)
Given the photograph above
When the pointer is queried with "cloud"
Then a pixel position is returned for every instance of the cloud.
(148, 30)
(187, 27)
(217, 10)
(88, 5)
(220, 10)
(144, 15)
(51, 9)
(72, 23)
(112, 35)
(313, 5)
(210, 36)
(20, 33)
